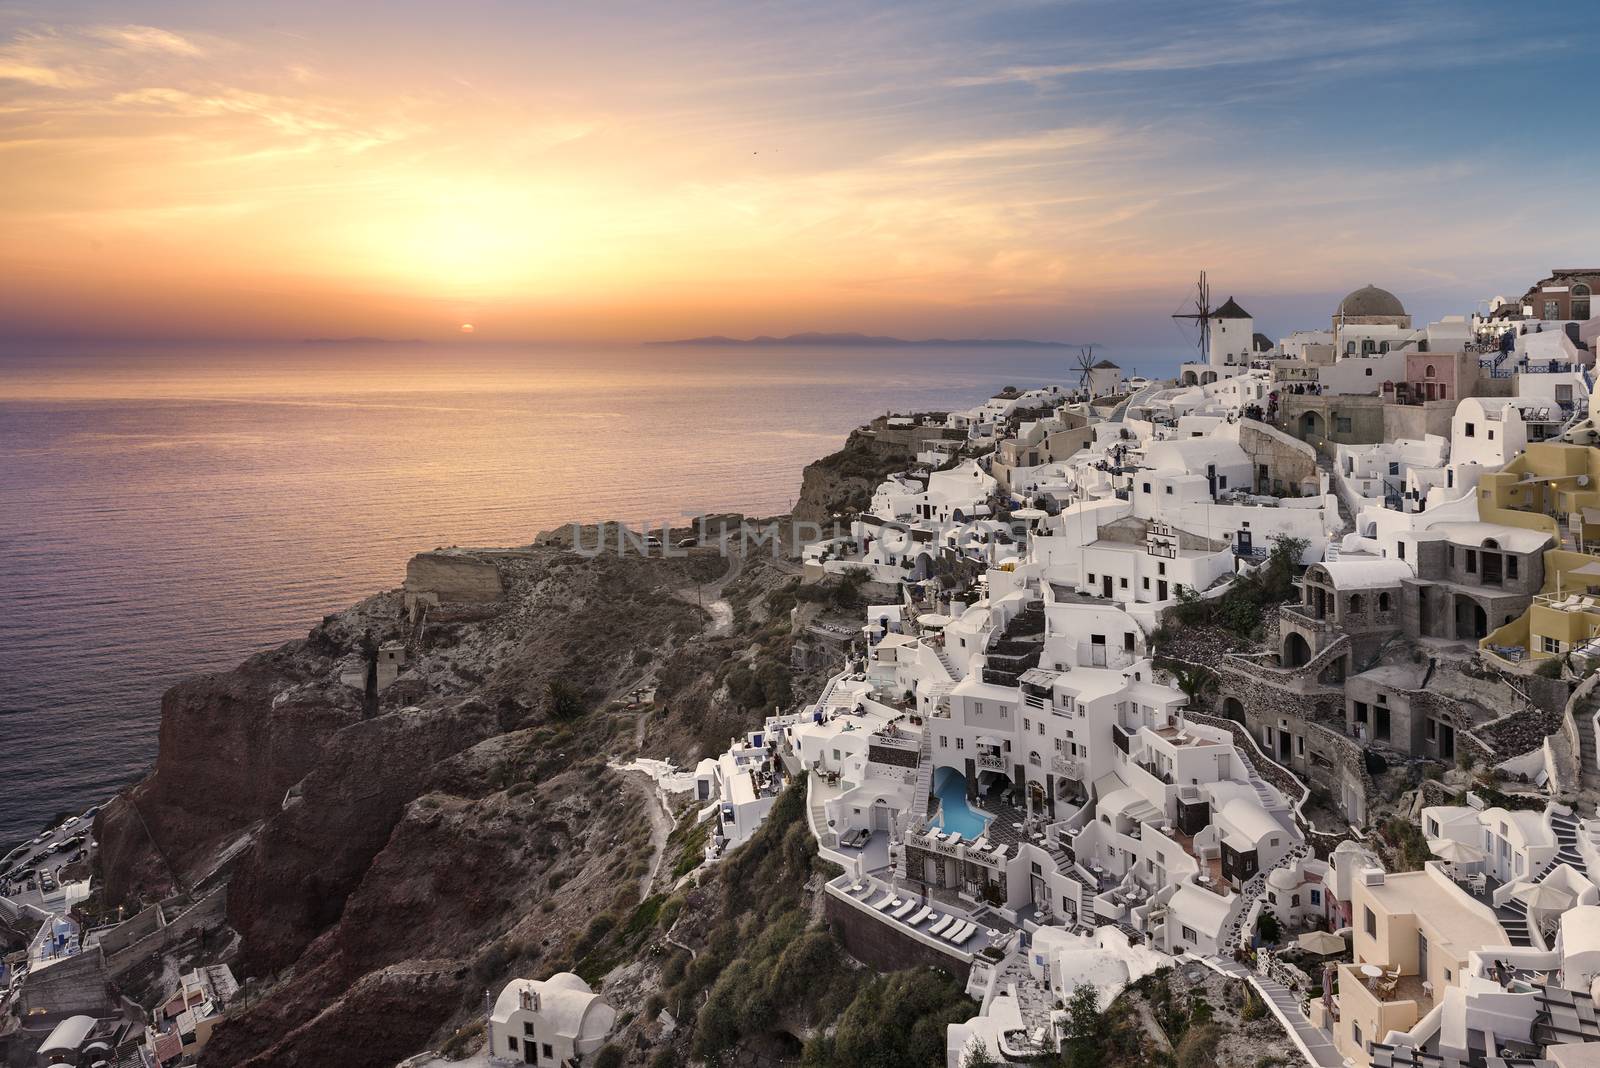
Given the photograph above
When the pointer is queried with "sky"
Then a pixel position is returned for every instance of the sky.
(600, 171)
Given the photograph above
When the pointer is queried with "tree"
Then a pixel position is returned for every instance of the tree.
(977, 1055)
(1268, 927)
(1195, 682)
(1083, 1048)
(562, 700)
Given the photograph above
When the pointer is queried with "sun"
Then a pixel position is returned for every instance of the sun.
(466, 328)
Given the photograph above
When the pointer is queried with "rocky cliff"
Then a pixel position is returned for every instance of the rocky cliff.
(386, 864)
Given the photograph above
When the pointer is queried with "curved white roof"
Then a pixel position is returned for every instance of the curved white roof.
(1366, 574)
(566, 1003)
(1285, 878)
(1200, 909)
(68, 1034)
(1249, 819)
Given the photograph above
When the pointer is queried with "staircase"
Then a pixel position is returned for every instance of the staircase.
(1588, 772)
(1566, 829)
(1513, 917)
(1330, 555)
(920, 794)
(944, 662)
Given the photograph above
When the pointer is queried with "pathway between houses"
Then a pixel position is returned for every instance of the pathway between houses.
(1285, 1005)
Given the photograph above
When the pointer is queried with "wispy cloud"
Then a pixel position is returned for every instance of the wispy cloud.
(147, 39)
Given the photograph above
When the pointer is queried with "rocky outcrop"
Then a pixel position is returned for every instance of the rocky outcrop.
(843, 481)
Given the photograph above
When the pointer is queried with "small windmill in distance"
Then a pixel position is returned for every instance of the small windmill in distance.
(1201, 313)
(1086, 371)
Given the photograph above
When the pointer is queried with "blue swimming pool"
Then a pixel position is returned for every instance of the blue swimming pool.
(950, 786)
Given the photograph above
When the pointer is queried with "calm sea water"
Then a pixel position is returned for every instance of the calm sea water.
(168, 512)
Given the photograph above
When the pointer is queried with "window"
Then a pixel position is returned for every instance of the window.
(1450, 555)
(1316, 897)
(1123, 582)
(1383, 602)
(1342, 424)
(1005, 713)
(1294, 901)
(1188, 935)
(511, 1043)
(1027, 724)
(1429, 372)
(527, 1028)
(944, 741)
(549, 1054)
(1400, 549)
(961, 743)
(1580, 302)
(1511, 567)
(1548, 644)
(1169, 491)
(1491, 433)
(1369, 372)
(1222, 481)
(1470, 430)
(1371, 921)
(1147, 582)
(1472, 561)
(1147, 487)
(1552, 309)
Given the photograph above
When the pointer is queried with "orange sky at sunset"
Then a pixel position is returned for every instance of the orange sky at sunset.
(178, 170)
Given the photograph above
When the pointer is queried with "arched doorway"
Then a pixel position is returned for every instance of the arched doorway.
(1233, 708)
(1310, 425)
(1296, 650)
(1472, 621)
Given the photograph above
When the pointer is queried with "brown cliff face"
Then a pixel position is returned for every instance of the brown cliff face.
(228, 752)
(396, 865)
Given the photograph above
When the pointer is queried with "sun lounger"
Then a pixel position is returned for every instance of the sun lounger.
(919, 917)
(904, 910)
(940, 924)
(962, 935)
(955, 930)
(885, 901)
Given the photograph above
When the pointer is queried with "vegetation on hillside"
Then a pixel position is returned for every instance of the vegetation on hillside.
(1239, 609)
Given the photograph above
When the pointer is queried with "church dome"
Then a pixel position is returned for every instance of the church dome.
(1370, 300)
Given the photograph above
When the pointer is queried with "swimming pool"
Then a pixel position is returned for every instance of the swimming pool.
(950, 786)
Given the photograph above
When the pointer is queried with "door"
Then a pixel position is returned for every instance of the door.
(1041, 899)
(1161, 589)
(1105, 584)
(530, 1051)
(930, 871)
(1244, 542)
(1283, 747)
(1097, 650)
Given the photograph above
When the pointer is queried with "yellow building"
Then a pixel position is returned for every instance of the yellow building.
(1553, 488)
(1417, 929)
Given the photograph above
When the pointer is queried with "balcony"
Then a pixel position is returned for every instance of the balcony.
(1305, 616)
(991, 761)
(1069, 767)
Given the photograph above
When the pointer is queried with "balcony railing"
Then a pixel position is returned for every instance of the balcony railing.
(1070, 767)
(992, 761)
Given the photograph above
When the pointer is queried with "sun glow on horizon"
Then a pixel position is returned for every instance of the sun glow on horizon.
(927, 170)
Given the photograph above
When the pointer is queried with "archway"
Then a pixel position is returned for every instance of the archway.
(1471, 620)
(1310, 425)
(1190, 378)
(1233, 708)
(1296, 650)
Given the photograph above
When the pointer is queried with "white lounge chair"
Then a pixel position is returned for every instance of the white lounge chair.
(918, 917)
(904, 910)
(885, 901)
(940, 924)
(963, 934)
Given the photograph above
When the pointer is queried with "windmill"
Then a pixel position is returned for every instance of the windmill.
(1086, 370)
(1201, 313)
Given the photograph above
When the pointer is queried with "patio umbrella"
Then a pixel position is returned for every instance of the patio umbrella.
(1544, 896)
(1453, 852)
(1320, 943)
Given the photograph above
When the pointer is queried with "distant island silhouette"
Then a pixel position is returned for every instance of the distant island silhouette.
(869, 341)
(361, 340)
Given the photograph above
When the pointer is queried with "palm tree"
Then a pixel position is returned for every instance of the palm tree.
(1195, 682)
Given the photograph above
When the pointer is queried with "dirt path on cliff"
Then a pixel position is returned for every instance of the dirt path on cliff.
(661, 824)
(708, 595)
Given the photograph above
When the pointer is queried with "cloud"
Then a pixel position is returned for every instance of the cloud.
(45, 60)
(1046, 142)
(146, 39)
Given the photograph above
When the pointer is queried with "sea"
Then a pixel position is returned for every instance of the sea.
(170, 510)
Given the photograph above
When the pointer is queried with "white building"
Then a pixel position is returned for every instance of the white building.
(555, 1021)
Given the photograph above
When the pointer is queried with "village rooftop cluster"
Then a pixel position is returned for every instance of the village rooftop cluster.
(1045, 763)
